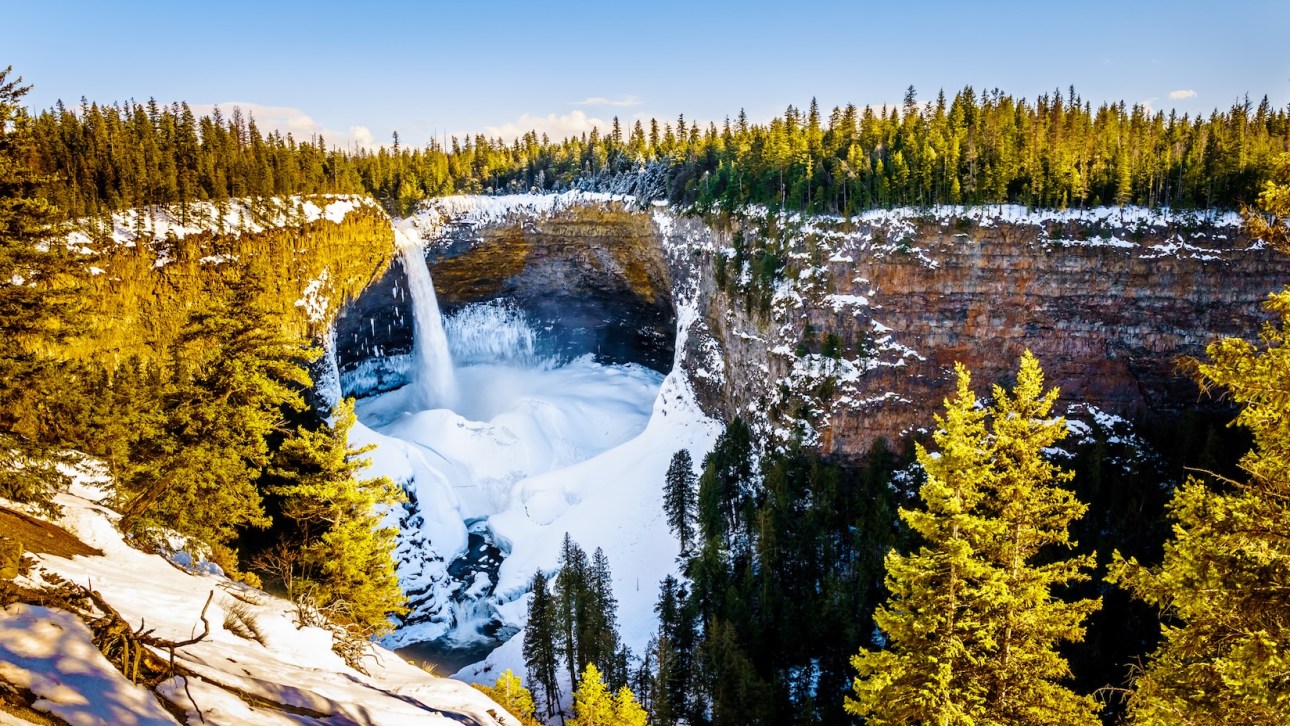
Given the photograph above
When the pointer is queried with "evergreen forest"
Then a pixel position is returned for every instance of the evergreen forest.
(976, 147)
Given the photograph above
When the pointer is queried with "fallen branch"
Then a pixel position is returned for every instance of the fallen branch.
(129, 649)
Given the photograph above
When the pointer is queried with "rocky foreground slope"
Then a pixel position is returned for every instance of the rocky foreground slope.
(255, 661)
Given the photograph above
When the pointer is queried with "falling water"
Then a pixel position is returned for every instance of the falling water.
(433, 384)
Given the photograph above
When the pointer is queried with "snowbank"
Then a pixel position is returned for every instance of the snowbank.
(237, 681)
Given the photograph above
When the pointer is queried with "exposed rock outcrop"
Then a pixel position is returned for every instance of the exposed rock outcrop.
(867, 319)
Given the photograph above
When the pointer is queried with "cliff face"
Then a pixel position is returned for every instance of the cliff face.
(151, 272)
(1108, 323)
(594, 277)
(866, 319)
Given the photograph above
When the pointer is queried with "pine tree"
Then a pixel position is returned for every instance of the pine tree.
(1224, 657)
(627, 711)
(593, 705)
(932, 620)
(540, 653)
(346, 553)
(1274, 202)
(36, 291)
(600, 629)
(672, 686)
(972, 623)
(509, 693)
(679, 498)
(233, 373)
(571, 589)
(1026, 496)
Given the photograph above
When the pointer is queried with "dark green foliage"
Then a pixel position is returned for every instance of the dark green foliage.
(36, 293)
(976, 148)
(540, 653)
(587, 615)
(346, 566)
(679, 499)
(727, 488)
(233, 371)
(785, 577)
(673, 651)
(577, 623)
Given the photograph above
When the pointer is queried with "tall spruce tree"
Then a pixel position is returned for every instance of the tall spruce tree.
(345, 552)
(36, 291)
(679, 499)
(600, 628)
(234, 371)
(972, 622)
(1028, 497)
(672, 654)
(1224, 657)
(571, 588)
(541, 657)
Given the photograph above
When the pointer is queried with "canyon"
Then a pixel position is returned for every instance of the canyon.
(1113, 302)
(826, 332)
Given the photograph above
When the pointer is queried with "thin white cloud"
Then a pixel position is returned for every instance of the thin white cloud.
(616, 102)
(555, 126)
(1182, 93)
(286, 119)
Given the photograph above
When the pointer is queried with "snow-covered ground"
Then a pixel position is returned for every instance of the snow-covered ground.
(237, 681)
(476, 210)
(153, 225)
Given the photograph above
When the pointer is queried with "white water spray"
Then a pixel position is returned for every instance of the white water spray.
(433, 383)
(493, 333)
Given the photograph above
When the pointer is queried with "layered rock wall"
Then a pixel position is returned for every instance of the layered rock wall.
(869, 317)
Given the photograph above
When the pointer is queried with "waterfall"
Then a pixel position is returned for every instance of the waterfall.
(433, 383)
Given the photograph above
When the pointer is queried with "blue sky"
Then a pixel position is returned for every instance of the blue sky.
(358, 71)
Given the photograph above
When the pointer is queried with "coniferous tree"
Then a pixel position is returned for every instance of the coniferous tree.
(679, 498)
(726, 487)
(35, 296)
(1027, 496)
(571, 588)
(672, 677)
(345, 552)
(541, 656)
(509, 693)
(972, 624)
(627, 710)
(233, 373)
(1268, 222)
(1225, 649)
(600, 629)
(595, 705)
